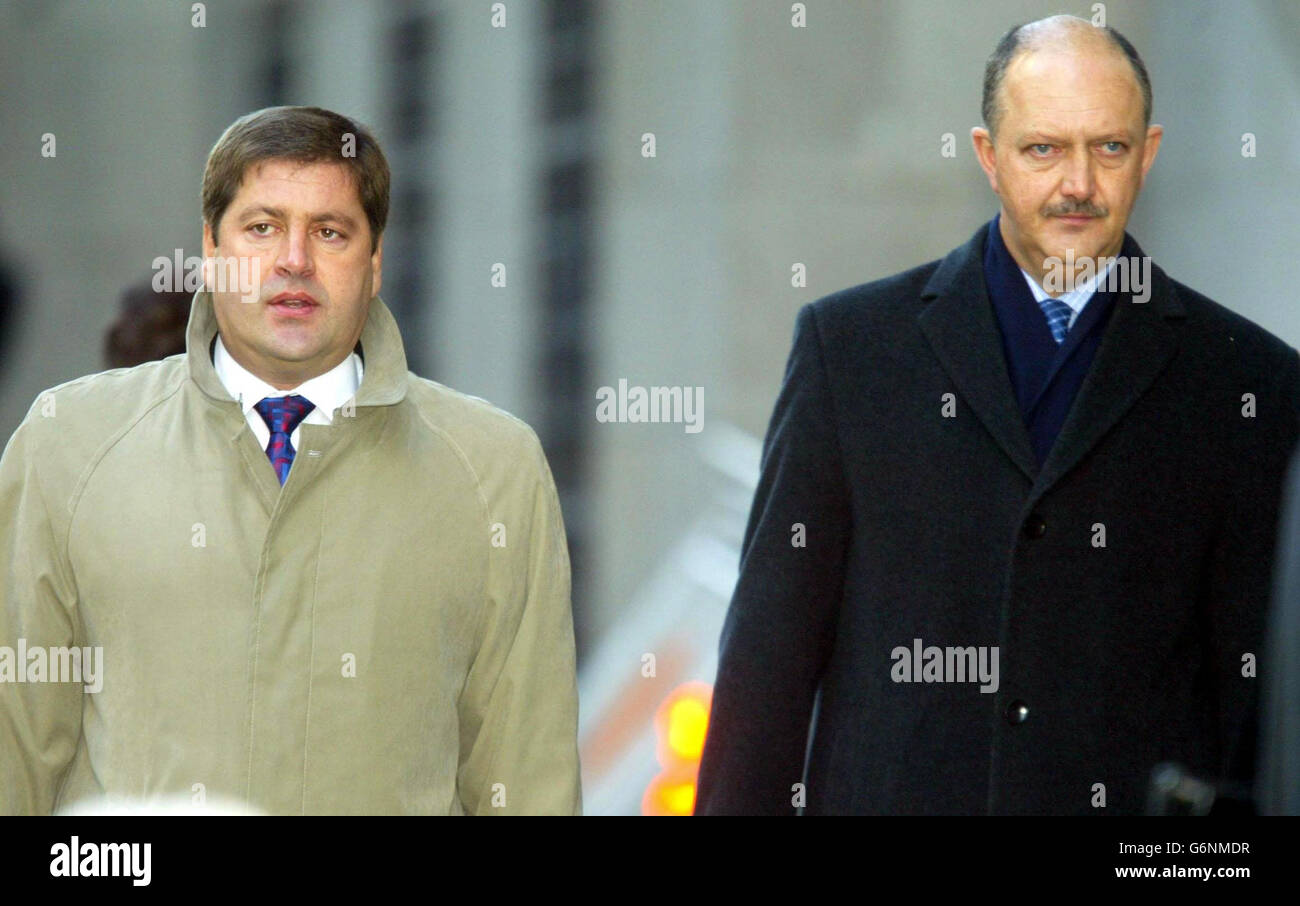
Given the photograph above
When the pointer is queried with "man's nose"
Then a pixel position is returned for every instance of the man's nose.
(1079, 181)
(295, 255)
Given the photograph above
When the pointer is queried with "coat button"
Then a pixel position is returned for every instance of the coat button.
(1017, 712)
(1035, 527)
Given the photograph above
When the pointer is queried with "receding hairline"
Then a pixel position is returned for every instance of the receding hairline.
(1070, 42)
(1060, 34)
(1061, 31)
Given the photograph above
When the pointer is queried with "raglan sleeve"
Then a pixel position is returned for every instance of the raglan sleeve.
(519, 707)
(40, 722)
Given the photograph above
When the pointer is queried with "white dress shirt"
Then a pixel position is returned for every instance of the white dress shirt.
(1076, 298)
(328, 391)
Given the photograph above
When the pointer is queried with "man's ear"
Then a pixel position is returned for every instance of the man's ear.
(377, 266)
(209, 251)
(985, 154)
(1149, 149)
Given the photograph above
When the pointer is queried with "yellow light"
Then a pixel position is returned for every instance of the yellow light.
(678, 798)
(688, 722)
(681, 725)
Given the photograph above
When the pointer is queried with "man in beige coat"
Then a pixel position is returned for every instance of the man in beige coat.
(281, 569)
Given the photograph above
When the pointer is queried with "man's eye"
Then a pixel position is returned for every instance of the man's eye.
(1041, 149)
(1114, 147)
(333, 233)
(257, 228)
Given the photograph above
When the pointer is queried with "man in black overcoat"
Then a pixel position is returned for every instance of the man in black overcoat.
(1012, 539)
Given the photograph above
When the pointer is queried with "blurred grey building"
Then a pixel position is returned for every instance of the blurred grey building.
(520, 150)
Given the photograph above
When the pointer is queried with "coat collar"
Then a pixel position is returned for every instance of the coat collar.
(959, 324)
(383, 382)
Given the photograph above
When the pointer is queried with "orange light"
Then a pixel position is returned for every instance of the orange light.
(669, 798)
(681, 725)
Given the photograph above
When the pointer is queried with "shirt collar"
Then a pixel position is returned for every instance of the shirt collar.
(327, 391)
(1076, 298)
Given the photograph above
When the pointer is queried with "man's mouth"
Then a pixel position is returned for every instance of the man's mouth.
(294, 302)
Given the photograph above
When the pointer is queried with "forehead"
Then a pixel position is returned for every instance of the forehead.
(1091, 87)
(287, 182)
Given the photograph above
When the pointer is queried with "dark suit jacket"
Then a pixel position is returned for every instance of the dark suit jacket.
(919, 526)
(1278, 787)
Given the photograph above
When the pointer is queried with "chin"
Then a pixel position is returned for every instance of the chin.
(291, 354)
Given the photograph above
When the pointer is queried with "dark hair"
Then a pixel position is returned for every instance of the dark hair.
(151, 326)
(1013, 42)
(303, 134)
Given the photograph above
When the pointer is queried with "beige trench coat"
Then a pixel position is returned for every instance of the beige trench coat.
(390, 632)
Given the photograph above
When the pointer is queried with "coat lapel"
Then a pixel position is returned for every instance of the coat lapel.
(959, 325)
(1137, 345)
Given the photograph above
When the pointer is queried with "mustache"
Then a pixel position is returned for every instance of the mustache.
(1084, 208)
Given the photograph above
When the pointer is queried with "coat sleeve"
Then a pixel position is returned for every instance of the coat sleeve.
(1277, 789)
(519, 707)
(780, 626)
(1241, 573)
(40, 722)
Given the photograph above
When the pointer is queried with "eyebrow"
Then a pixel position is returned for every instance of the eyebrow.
(322, 217)
(1056, 140)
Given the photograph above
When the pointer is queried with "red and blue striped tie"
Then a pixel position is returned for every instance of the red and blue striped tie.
(282, 414)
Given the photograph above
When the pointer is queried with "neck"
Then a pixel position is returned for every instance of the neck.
(1040, 269)
(279, 379)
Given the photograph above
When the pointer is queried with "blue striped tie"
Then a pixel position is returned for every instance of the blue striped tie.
(1058, 317)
